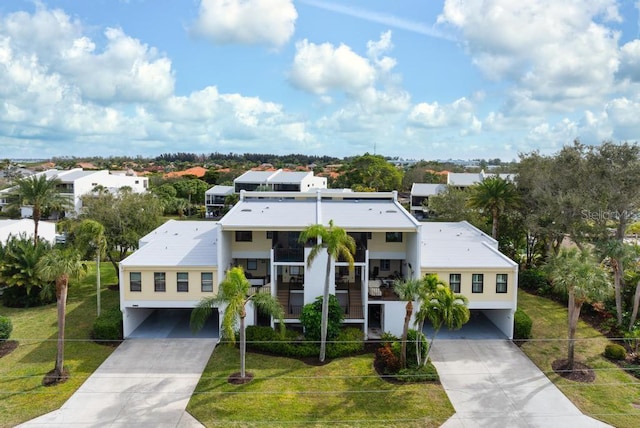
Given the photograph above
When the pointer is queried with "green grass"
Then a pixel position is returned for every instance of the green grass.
(22, 396)
(286, 392)
(613, 396)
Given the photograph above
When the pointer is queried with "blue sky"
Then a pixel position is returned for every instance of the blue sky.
(410, 78)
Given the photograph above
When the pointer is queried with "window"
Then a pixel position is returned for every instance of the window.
(159, 281)
(501, 282)
(269, 234)
(477, 283)
(252, 264)
(394, 236)
(454, 282)
(206, 279)
(295, 270)
(244, 236)
(385, 264)
(135, 281)
(183, 282)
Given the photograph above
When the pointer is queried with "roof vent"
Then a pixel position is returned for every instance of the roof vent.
(391, 211)
(246, 210)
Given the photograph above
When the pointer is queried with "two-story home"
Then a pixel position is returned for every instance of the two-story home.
(261, 234)
(77, 182)
(214, 199)
(279, 181)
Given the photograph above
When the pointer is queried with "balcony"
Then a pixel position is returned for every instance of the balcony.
(295, 254)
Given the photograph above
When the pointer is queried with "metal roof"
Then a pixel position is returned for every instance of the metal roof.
(459, 245)
(289, 176)
(297, 210)
(427, 189)
(220, 190)
(178, 243)
(254, 177)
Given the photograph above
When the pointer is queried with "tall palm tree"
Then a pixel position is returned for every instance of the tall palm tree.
(576, 273)
(442, 307)
(40, 193)
(494, 195)
(616, 255)
(232, 293)
(409, 291)
(59, 265)
(89, 237)
(338, 244)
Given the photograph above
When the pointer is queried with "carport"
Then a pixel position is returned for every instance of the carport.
(174, 324)
(478, 327)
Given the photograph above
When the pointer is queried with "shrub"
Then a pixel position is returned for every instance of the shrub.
(387, 361)
(267, 339)
(615, 351)
(534, 280)
(521, 325)
(412, 360)
(426, 373)
(108, 326)
(311, 318)
(348, 342)
(6, 327)
(18, 297)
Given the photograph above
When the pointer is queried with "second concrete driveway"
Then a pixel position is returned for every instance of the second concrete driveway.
(144, 383)
(491, 383)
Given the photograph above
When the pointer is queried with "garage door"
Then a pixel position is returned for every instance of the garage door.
(174, 323)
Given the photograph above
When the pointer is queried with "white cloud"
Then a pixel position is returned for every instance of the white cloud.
(557, 55)
(322, 68)
(459, 113)
(270, 22)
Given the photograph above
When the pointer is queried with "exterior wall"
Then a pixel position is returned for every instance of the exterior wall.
(393, 317)
(380, 248)
(311, 181)
(502, 318)
(488, 299)
(132, 318)
(259, 247)
(315, 275)
(171, 294)
(412, 269)
(224, 254)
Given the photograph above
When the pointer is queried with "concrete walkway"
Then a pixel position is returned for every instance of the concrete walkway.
(144, 383)
(491, 383)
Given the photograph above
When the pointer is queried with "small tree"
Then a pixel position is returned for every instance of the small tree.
(408, 291)
(233, 294)
(59, 265)
(577, 274)
(89, 237)
(337, 244)
(311, 318)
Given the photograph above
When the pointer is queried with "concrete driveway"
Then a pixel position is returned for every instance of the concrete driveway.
(144, 383)
(491, 383)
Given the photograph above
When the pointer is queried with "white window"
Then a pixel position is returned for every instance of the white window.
(454, 282)
(159, 281)
(183, 282)
(477, 283)
(206, 280)
(135, 281)
(501, 282)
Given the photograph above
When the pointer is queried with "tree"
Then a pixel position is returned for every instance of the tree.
(59, 265)
(18, 271)
(41, 194)
(126, 217)
(370, 171)
(233, 294)
(577, 274)
(211, 176)
(494, 195)
(338, 245)
(408, 290)
(442, 307)
(451, 205)
(89, 237)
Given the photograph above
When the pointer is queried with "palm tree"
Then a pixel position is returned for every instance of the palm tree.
(494, 195)
(233, 294)
(90, 237)
(616, 254)
(59, 265)
(408, 290)
(40, 193)
(442, 307)
(338, 244)
(577, 274)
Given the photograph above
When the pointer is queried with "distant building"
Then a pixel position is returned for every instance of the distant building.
(279, 181)
(76, 182)
(214, 199)
(25, 227)
(420, 194)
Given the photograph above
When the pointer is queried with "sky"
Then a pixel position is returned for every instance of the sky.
(418, 79)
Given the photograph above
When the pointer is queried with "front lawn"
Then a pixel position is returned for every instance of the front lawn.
(614, 396)
(22, 396)
(287, 392)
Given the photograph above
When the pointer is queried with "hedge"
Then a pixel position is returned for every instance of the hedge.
(521, 325)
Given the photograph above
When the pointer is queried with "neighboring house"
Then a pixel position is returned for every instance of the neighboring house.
(175, 267)
(279, 181)
(420, 193)
(214, 199)
(466, 179)
(260, 233)
(25, 227)
(76, 182)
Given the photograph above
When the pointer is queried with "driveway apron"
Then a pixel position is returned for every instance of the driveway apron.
(143, 383)
(491, 383)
